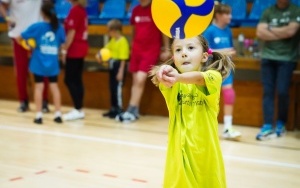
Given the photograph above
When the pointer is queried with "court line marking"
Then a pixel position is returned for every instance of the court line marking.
(135, 144)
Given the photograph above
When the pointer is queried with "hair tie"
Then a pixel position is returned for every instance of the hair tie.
(209, 51)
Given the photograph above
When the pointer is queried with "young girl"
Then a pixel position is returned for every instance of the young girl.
(190, 83)
(219, 38)
(49, 36)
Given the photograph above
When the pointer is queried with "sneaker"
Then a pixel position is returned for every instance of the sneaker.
(73, 115)
(231, 134)
(126, 117)
(38, 121)
(280, 129)
(58, 119)
(112, 113)
(45, 108)
(265, 133)
(23, 106)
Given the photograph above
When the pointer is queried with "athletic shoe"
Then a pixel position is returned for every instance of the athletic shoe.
(23, 106)
(280, 129)
(58, 119)
(265, 133)
(126, 117)
(38, 121)
(111, 114)
(231, 134)
(73, 115)
(45, 108)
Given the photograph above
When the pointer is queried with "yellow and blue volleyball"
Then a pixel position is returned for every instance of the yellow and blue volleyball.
(104, 54)
(182, 18)
(28, 44)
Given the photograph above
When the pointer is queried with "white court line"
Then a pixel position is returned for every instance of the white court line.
(135, 144)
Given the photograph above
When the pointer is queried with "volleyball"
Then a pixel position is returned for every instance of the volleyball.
(28, 44)
(104, 54)
(182, 18)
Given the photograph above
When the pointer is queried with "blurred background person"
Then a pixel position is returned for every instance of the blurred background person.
(19, 15)
(76, 48)
(219, 37)
(118, 47)
(148, 45)
(278, 28)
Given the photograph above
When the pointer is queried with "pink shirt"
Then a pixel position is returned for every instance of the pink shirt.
(77, 20)
(147, 38)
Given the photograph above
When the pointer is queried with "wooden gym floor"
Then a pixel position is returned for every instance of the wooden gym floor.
(99, 152)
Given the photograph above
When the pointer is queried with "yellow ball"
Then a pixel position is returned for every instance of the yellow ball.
(28, 44)
(104, 54)
(182, 18)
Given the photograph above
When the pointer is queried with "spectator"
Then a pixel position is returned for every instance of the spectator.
(119, 49)
(219, 37)
(145, 52)
(48, 36)
(19, 15)
(76, 48)
(191, 84)
(278, 28)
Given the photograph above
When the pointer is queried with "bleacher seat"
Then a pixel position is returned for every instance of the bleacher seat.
(239, 10)
(258, 8)
(92, 8)
(133, 3)
(113, 9)
(62, 8)
(296, 2)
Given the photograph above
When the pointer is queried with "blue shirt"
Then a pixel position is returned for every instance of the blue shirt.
(44, 59)
(218, 38)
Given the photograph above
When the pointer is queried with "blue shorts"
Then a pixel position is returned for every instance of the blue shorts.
(228, 80)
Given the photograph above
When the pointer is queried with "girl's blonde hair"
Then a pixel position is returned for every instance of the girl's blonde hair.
(217, 61)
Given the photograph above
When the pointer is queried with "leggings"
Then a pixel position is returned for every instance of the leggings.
(73, 80)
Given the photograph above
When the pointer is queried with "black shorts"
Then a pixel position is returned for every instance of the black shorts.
(39, 79)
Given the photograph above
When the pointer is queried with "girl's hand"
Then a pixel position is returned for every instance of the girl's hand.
(167, 75)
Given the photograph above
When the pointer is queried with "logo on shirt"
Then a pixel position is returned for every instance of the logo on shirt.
(140, 19)
(48, 44)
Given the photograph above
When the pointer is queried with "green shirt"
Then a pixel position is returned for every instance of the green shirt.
(194, 158)
(284, 49)
(119, 48)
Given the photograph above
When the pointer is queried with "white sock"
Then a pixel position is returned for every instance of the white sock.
(39, 115)
(57, 114)
(227, 122)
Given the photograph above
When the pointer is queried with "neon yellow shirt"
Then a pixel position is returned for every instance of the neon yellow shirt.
(119, 48)
(194, 158)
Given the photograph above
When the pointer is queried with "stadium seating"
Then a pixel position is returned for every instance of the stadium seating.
(92, 9)
(113, 9)
(62, 8)
(258, 7)
(133, 3)
(239, 10)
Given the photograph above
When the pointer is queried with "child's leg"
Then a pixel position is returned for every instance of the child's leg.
(56, 95)
(56, 98)
(38, 98)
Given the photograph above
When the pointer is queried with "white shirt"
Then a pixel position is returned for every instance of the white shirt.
(23, 13)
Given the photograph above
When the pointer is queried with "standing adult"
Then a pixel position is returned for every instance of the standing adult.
(19, 15)
(76, 48)
(278, 28)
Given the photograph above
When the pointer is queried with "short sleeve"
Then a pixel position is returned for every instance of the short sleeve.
(213, 81)
(124, 49)
(71, 21)
(31, 31)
